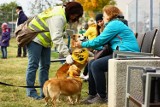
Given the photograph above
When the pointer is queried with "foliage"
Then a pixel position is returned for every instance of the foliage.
(93, 6)
(7, 10)
(37, 6)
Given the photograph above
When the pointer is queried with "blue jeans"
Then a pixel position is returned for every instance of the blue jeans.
(4, 51)
(38, 57)
(97, 79)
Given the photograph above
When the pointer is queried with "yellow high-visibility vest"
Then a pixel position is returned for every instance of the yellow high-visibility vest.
(38, 24)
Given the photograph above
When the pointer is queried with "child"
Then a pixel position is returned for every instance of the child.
(91, 32)
(4, 42)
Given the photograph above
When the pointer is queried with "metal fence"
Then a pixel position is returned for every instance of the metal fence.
(144, 15)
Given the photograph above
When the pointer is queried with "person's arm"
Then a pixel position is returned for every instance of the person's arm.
(8, 37)
(56, 27)
(87, 32)
(109, 32)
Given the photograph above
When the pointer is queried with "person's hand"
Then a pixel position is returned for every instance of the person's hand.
(69, 59)
(78, 44)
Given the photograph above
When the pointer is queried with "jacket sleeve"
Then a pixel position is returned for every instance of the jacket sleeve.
(7, 36)
(56, 27)
(22, 18)
(87, 33)
(109, 32)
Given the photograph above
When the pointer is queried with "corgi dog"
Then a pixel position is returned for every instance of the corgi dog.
(79, 55)
(68, 86)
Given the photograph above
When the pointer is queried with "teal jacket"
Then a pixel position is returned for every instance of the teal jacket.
(116, 33)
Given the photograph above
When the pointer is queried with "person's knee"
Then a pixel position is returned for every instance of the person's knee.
(95, 64)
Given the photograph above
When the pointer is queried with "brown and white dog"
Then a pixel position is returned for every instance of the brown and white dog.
(79, 55)
(69, 86)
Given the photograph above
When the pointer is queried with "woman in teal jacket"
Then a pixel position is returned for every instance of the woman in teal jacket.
(120, 37)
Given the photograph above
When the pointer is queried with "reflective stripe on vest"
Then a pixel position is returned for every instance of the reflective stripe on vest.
(39, 24)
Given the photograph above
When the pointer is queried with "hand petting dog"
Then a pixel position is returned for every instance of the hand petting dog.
(78, 44)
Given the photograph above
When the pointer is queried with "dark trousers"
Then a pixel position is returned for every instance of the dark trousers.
(19, 51)
(97, 79)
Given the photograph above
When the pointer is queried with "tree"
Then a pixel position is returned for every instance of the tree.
(7, 12)
(93, 6)
(38, 6)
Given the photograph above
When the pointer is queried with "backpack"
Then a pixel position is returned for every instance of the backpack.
(24, 34)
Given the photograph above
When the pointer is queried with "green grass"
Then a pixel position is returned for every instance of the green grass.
(12, 71)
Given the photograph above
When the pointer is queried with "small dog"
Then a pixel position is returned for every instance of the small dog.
(69, 86)
(79, 55)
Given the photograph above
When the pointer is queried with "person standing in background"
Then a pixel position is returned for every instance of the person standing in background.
(21, 19)
(4, 42)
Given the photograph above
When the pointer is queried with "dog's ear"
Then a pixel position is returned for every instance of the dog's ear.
(73, 36)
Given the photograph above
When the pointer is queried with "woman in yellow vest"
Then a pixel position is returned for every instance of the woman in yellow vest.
(52, 22)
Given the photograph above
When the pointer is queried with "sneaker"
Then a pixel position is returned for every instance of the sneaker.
(36, 97)
(24, 56)
(98, 99)
(90, 97)
(84, 77)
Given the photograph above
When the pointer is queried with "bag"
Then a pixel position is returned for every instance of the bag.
(24, 35)
(107, 50)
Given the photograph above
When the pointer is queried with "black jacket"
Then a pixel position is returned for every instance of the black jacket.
(21, 18)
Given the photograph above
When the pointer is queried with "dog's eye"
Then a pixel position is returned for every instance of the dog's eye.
(79, 36)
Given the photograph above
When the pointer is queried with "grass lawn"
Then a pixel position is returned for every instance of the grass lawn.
(12, 71)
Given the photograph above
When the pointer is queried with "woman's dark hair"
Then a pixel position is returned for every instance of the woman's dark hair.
(72, 8)
(98, 17)
(98, 29)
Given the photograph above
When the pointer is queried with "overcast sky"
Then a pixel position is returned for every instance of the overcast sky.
(122, 4)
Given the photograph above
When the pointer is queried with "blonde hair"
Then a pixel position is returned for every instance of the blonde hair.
(91, 21)
(111, 11)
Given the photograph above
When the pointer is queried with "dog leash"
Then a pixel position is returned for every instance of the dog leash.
(5, 84)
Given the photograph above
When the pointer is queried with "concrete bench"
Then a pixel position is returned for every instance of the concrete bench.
(117, 78)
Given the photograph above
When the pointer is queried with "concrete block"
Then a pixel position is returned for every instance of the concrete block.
(117, 78)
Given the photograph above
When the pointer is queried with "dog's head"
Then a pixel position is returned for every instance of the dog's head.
(76, 38)
(74, 71)
(80, 55)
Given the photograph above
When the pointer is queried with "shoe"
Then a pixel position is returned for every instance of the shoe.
(3, 58)
(84, 77)
(36, 97)
(90, 97)
(24, 56)
(99, 100)
(18, 56)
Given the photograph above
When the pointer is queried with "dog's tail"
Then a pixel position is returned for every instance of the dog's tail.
(45, 90)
